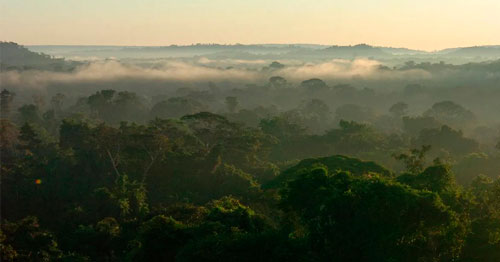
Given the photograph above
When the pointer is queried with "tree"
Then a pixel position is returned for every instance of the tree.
(314, 114)
(30, 114)
(332, 164)
(448, 139)
(227, 180)
(24, 240)
(8, 144)
(413, 125)
(210, 128)
(483, 242)
(277, 82)
(159, 239)
(282, 128)
(234, 216)
(352, 112)
(288, 134)
(437, 178)
(353, 138)
(6, 99)
(125, 199)
(57, 102)
(100, 103)
(399, 109)
(372, 218)
(176, 107)
(99, 241)
(266, 246)
(415, 160)
(231, 103)
(452, 114)
(276, 65)
(227, 141)
(29, 137)
(129, 107)
(316, 108)
(39, 100)
(313, 84)
(252, 117)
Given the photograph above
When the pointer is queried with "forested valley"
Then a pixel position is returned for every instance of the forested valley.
(261, 168)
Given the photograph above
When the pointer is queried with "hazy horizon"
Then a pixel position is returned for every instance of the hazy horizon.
(424, 26)
(258, 43)
(252, 44)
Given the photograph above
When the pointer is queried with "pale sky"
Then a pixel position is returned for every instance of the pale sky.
(419, 24)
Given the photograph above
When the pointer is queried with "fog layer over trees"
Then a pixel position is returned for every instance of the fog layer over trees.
(249, 153)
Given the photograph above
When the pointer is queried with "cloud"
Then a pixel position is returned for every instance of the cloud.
(109, 71)
(345, 69)
(203, 70)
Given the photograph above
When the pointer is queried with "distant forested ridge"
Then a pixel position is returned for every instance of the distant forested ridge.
(306, 52)
(17, 57)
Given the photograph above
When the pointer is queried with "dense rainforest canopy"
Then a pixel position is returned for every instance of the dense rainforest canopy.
(112, 161)
(84, 185)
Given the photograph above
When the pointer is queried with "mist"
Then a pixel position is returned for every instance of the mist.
(163, 153)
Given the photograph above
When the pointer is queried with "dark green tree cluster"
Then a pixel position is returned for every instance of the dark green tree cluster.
(196, 186)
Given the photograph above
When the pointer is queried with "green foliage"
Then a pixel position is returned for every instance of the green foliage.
(354, 138)
(447, 139)
(281, 128)
(415, 160)
(352, 112)
(231, 103)
(333, 164)
(413, 125)
(434, 178)
(30, 114)
(189, 189)
(99, 241)
(114, 107)
(399, 109)
(352, 218)
(468, 167)
(234, 216)
(277, 82)
(125, 199)
(227, 180)
(267, 246)
(176, 107)
(185, 213)
(314, 84)
(160, 239)
(24, 240)
(483, 241)
(450, 113)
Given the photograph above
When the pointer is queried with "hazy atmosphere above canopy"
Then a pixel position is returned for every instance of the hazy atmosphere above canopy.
(425, 24)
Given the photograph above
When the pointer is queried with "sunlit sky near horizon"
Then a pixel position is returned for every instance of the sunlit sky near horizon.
(423, 24)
